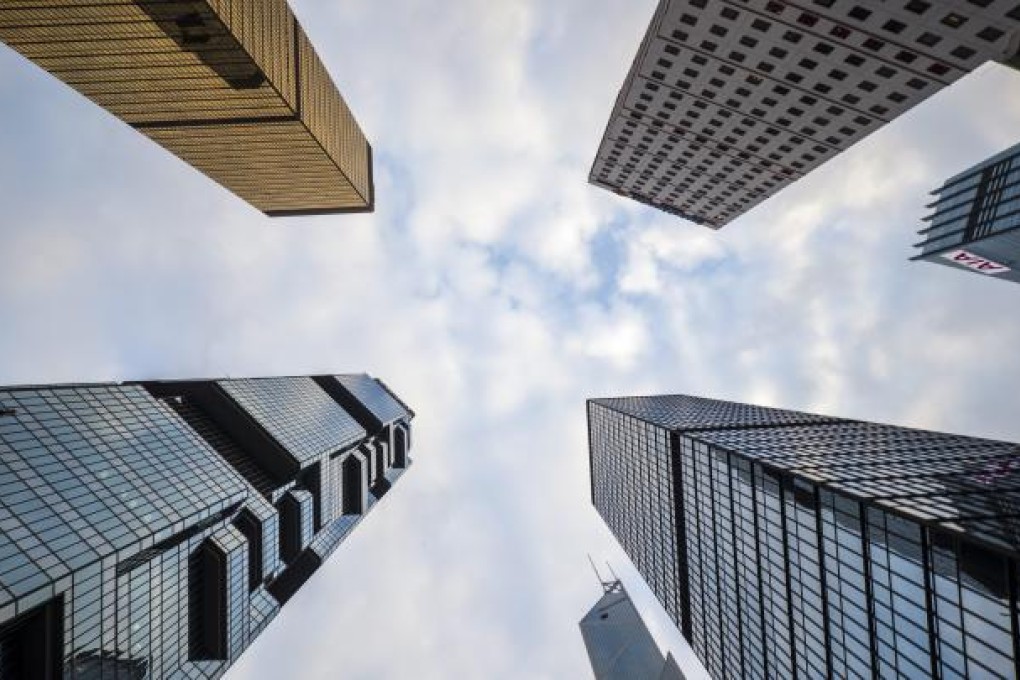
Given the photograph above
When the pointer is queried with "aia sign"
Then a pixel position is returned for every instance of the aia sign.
(976, 262)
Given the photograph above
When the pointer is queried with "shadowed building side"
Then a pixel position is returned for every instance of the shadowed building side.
(234, 89)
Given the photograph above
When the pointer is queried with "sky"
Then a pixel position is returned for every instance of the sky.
(495, 290)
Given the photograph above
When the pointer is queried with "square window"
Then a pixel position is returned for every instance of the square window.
(792, 36)
(963, 52)
(886, 72)
(748, 41)
(836, 74)
(860, 13)
(854, 59)
(672, 49)
(938, 69)
(906, 57)
(868, 86)
(990, 34)
(1014, 13)
(807, 19)
(918, 7)
(688, 19)
(917, 83)
(840, 32)
(894, 26)
(954, 20)
(874, 44)
(808, 64)
(824, 48)
(729, 13)
(760, 25)
(680, 35)
(778, 52)
(718, 30)
(929, 39)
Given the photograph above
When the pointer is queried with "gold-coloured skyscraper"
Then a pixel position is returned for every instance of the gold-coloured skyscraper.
(232, 87)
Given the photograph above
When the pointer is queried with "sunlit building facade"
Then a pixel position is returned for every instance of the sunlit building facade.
(152, 530)
(975, 223)
(729, 102)
(618, 642)
(790, 545)
(235, 89)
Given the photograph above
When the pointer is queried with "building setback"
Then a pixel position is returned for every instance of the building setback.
(618, 642)
(154, 529)
(789, 545)
(728, 102)
(976, 223)
(232, 88)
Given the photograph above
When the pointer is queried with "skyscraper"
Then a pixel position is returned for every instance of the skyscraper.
(154, 529)
(728, 102)
(790, 545)
(232, 88)
(618, 643)
(976, 223)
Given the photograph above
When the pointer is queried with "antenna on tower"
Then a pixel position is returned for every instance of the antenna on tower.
(607, 586)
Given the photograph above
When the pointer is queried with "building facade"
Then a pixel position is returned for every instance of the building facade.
(790, 545)
(235, 89)
(975, 225)
(730, 101)
(154, 529)
(618, 642)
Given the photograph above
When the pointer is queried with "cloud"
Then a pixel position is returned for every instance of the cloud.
(494, 290)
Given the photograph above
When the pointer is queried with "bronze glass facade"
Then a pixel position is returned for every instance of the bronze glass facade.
(789, 545)
(232, 88)
(153, 530)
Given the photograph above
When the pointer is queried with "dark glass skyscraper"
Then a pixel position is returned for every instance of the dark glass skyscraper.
(153, 530)
(235, 89)
(790, 545)
(728, 101)
(975, 225)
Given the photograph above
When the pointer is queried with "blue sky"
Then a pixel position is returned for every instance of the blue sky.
(495, 290)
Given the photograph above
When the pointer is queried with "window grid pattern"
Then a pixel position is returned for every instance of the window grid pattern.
(374, 396)
(790, 576)
(297, 413)
(978, 211)
(728, 102)
(234, 89)
(107, 496)
(633, 491)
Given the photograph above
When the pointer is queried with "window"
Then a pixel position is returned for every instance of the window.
(30, 644)
(963, 52)
(760, 25)
(860, 13)
(954, 20)
(894, 26)
(990, 34)
(729, 13)
(906, 57)
(1014, 13)
(885, 72)
(929, 39)
(854, 59)
(918, 7)
(207, 603)
(874, 44)
(250, 526)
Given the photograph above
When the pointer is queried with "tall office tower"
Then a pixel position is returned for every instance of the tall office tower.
(232, 88)
(728, 102)
(618, 643)
(789, 545)
(152, 530)
(976, 223)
